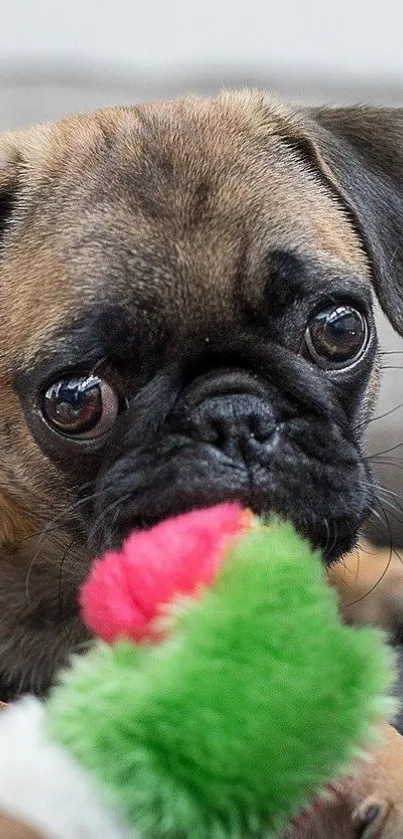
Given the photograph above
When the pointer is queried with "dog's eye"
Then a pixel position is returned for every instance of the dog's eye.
(84, 407)
(336, 337)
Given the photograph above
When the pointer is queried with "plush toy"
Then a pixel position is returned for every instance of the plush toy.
(225, 695)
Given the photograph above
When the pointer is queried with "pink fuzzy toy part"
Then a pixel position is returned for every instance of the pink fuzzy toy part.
(128, 589)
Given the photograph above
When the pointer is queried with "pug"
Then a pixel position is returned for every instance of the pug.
(186, 317)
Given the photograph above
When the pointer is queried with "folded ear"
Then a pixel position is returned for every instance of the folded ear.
(10, 177)
(22, 163)
(359, 152)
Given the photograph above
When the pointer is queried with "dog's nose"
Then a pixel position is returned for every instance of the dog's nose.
(234, 423)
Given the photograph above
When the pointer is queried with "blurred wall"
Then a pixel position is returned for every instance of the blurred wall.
(347, 38)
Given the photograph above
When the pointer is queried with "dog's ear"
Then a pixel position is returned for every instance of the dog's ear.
(10, 177)
(359, 152)
(23, 156)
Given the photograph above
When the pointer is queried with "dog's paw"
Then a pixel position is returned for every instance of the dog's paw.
(369, 819)
(375, 794)
(373, 818)
(368, 805)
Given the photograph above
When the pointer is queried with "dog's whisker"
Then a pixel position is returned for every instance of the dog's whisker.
(327, 528)
(62, 571)
(397, 463)
(378, 581)
(77, 504)
(82, 647)
(389, 497)
(333, 543)
(385, 414)
(386, 490)
(392, 511)
(113, 506)
(45, 531)
(386, 519)
(49, 528)
(386, 451)
(358, 562)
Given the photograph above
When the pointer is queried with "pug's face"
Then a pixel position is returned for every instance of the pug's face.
(185, 318)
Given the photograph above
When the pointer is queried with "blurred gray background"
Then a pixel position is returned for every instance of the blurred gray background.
(58, 57)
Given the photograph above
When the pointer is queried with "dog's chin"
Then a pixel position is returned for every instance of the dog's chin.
(327, 505)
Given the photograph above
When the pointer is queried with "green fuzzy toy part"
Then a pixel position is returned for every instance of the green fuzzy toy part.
(258, 697)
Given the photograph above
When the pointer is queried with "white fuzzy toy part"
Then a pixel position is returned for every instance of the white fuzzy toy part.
(42, 785)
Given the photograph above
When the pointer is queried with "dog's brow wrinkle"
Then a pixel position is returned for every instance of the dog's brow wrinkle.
(293, 277)
(103, 333)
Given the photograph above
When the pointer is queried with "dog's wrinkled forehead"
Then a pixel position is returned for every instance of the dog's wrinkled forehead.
(161, 207)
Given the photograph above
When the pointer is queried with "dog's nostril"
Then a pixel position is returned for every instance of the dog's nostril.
(217, 431)
(261, 426)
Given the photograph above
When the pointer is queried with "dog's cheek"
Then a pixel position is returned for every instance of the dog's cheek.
(17, 514)
(16, 523)
(31, 489)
